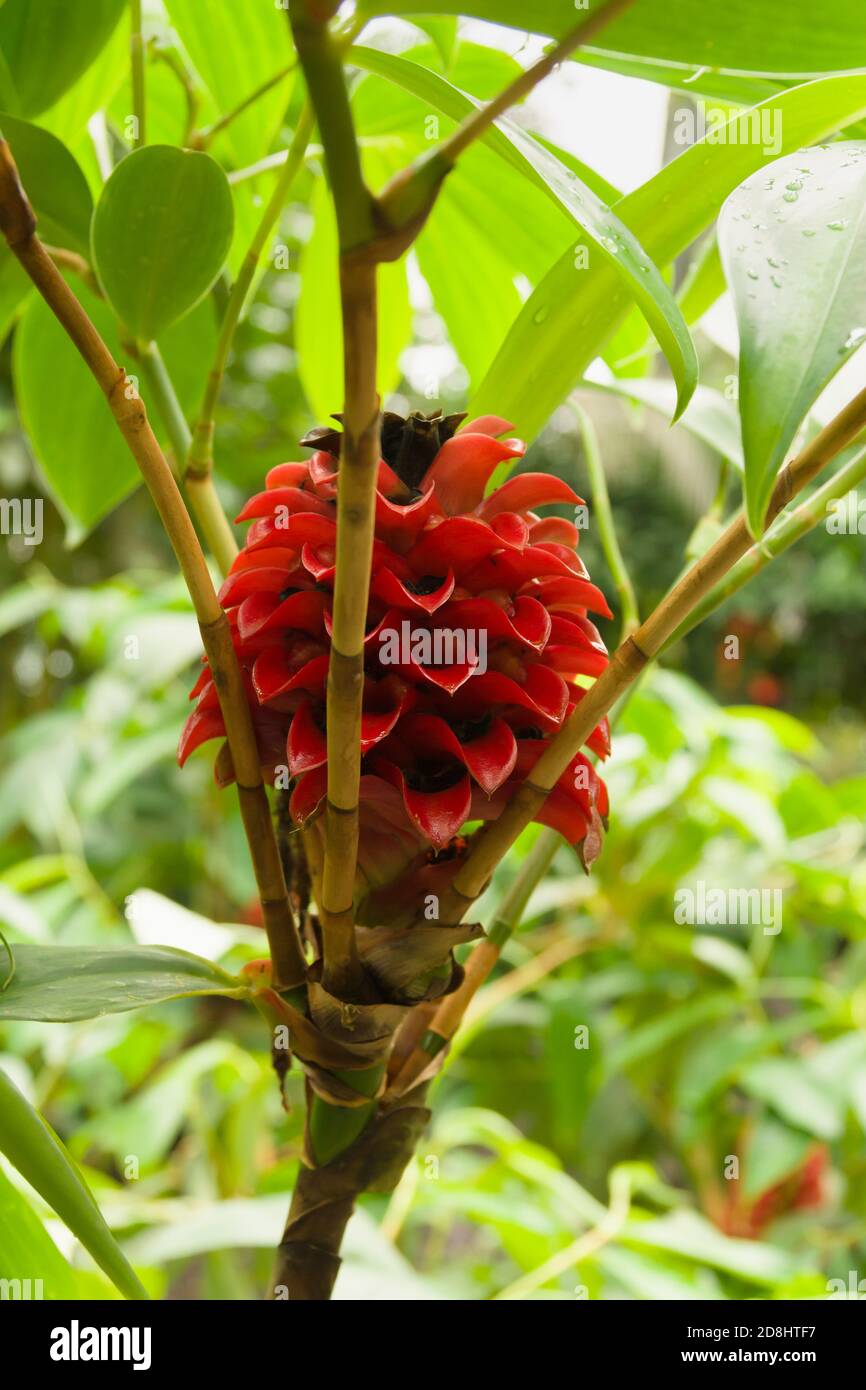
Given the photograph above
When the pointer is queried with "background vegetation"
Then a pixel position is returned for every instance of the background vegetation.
(704, 1044)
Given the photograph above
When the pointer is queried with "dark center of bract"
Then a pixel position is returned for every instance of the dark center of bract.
(409, 444)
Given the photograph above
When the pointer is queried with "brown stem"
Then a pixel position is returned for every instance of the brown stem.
(631, 657)
(18, 225)
(308, 1259)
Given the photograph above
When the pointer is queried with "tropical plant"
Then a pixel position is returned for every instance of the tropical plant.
(399, 658)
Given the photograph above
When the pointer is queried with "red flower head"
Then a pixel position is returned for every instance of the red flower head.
(478, 633)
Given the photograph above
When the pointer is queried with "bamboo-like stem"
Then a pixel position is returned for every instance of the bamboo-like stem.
(789, 528)
(319, 54)
(139, 90)
(632, 656)
(71, 260)
(205, 503)
(450, 1012)
(198, 455)
(202, 139)
(18, 225)
(606, 529)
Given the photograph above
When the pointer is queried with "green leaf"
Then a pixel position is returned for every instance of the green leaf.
(73, 434)
(47, 46)
(60, 984)
(161, 232)
(30, 1262)
(797, 1097)
(236, 49)
(537, 163)
(568, 319)
(34, 1149)
(773, 1152)
(774, 37)
(792, 245)
(318, 327)
(709, 417)
(54, 183)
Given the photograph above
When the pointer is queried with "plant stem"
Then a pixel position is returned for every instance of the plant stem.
(480, 962)
(409, 196)
(356, 493)
(478, 121)
(19, 227)
(606, 528)
(790, 527)
(199, 451)
(168, 56)
(202, 139)
(632, 656)
(137, 55)
(201, 491)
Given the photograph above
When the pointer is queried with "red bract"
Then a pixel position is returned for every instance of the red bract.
(478, 636)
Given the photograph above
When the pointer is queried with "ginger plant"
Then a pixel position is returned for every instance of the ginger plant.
(330, 664)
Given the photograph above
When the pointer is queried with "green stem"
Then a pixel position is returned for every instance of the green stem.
(320, 56)
(790, 527)
(202, 139)
(201, 491)
(199, 451)
(136, 54)
(515, 899)
(604, 520)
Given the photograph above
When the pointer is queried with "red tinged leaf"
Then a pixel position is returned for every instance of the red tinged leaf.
(554, 528)
(400, 524)
(264, 579)
(438, 814)
(527, 624)
(288, 475)
(306, 747)
(275, 675)
(301, 612)
(463, 466)
(571, 593)
(412, 594)
(526, 492)
(201, 726)
(295, 531)
(282, 501)
(486, 424)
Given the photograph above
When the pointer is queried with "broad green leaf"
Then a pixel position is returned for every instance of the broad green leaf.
(608, 235)
(709, 417)
(34, 1149)
(48, 45)
(569, 317)
(59, 984)
(793, 249)
(161, 232)
(54, 183)
(774, 37)
(31, 1266)
(476, 322)
(772, 1153)
(318, 326)
(77, 444)
(797, 1097)
(237, 48)
(60, 197)
(689, 1234)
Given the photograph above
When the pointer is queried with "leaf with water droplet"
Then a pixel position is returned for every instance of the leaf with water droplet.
(792, 344)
